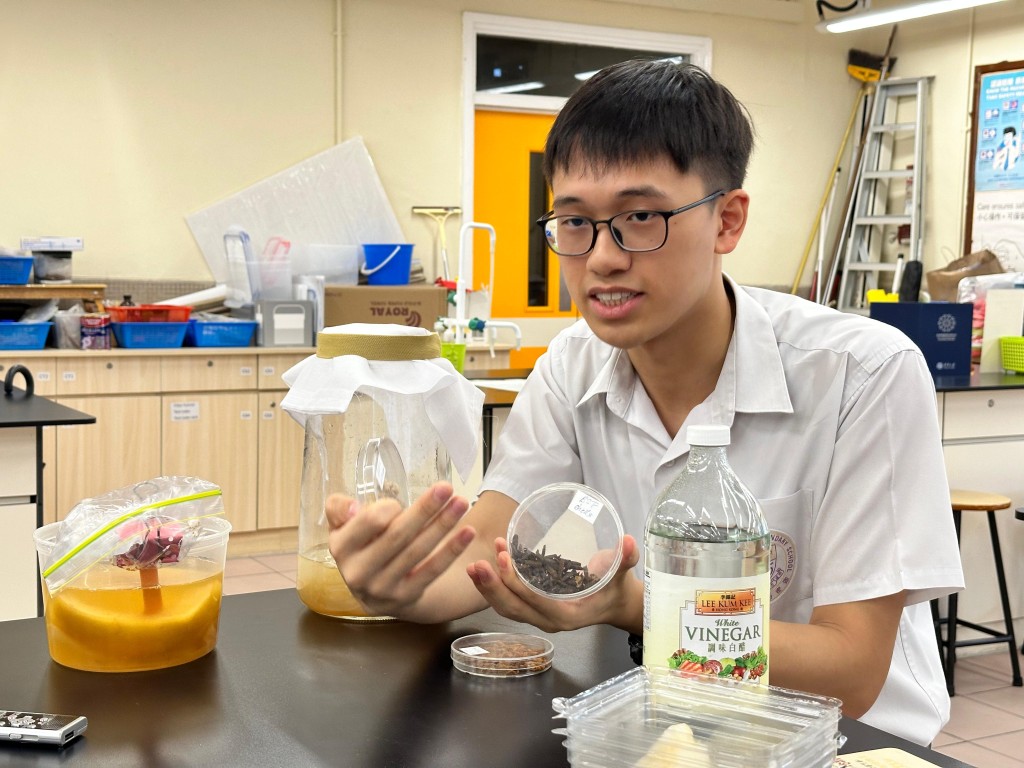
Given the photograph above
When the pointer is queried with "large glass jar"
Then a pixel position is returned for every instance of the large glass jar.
(371, 413)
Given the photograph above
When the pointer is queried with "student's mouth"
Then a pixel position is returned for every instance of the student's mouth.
(613, 303)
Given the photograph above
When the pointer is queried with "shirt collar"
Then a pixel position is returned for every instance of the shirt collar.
(755, 385)
(754, 359)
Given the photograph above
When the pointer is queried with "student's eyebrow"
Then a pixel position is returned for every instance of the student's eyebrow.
(623, 194)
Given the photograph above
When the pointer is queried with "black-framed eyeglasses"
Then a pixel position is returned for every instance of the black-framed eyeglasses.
(633, 231)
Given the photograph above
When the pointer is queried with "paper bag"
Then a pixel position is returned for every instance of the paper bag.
(942, 283)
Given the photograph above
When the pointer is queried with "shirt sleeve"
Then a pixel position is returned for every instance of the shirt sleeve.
(885, 522)
(537, 445)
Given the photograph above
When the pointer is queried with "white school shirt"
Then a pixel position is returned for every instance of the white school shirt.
(834, 429)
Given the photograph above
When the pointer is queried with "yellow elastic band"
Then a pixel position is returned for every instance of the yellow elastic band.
(372, 347)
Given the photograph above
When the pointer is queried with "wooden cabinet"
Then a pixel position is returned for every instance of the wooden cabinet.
(213, 436)
(43, 371)
(213, 413)
(209, 373)
(121, 448)
(478, 356)
(93, 375)
(279, 464)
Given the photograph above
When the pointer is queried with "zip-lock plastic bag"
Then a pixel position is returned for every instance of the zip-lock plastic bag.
(139, 527)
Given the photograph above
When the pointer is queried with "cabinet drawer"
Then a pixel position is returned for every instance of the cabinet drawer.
(43, 373)
(204, 374)
(273, 366)
(480, 359)
(107, 375)
(993, 413)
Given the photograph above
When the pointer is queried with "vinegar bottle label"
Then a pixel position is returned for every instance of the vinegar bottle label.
(717, 627)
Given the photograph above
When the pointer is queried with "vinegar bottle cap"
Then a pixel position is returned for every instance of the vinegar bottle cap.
(707, 434)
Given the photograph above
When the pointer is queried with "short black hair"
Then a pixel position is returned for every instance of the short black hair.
(641, 110)
(1010, 129)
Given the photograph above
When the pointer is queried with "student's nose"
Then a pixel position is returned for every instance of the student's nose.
(607, 256)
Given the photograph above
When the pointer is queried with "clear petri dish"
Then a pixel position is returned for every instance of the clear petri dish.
(565, 540)
(502, 654)
(380, 473)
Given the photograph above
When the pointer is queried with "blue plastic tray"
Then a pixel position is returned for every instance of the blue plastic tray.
(149, 335)
(23, 335)
(15, 270)
(234, 333)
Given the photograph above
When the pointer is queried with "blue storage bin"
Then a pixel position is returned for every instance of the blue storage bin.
(149, 335)
(231, 333)
(23, 335)
(15, 270)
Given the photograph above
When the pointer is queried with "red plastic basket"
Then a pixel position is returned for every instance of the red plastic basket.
(150, 313)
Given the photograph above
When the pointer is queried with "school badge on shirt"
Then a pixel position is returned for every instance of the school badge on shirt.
(781, 563)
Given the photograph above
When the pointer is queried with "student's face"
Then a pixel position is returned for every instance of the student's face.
(636, 299)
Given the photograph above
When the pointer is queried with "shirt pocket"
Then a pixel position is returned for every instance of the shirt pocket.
(789, 518)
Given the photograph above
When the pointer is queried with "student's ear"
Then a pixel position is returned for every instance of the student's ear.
(733, 219)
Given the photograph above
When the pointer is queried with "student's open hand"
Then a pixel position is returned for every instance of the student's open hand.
(387, 555)
(618, 603)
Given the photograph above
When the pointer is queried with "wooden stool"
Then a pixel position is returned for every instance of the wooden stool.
(971, 501)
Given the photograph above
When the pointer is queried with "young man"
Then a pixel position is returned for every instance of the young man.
(832, 416)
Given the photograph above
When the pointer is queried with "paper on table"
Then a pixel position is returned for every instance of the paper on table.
(1004, 316)
(881, 758)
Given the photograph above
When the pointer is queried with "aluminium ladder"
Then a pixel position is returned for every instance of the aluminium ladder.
(871, 227)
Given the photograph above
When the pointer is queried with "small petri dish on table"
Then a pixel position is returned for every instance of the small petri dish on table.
(502, 654)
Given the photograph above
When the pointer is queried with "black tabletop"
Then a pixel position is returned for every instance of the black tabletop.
(19, 409)
(286, 687)
(979, 381)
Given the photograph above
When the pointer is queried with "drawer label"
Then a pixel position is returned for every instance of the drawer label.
(246, 415)
(43, 376)
(245, 370)
(268, 415)
(68, 376)
(187, 410)
(268, 370)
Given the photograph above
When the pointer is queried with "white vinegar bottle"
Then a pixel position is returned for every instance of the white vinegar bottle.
(706, 579)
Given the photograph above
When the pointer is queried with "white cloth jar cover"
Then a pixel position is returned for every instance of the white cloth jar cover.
(322, 384)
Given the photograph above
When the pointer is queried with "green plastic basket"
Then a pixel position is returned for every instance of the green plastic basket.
(1012, 350)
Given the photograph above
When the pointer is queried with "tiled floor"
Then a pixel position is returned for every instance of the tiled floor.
(986, 728)
(259, 573)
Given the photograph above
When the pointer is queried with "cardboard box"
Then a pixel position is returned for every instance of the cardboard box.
(412, 305)
(941, 330)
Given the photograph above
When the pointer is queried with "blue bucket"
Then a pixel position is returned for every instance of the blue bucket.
(387, 263)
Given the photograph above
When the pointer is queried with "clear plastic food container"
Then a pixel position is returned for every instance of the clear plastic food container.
(659, 717)
(565, 540)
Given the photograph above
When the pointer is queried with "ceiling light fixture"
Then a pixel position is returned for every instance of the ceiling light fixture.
(533, 85)
(591, 73)
(865, 18)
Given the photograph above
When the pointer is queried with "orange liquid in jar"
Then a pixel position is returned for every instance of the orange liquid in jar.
(323, 590)
(104, 621)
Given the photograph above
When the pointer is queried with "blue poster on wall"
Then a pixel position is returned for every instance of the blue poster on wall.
(999, 163)
(997, 215)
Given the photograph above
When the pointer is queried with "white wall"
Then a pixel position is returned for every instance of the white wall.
(123, 116)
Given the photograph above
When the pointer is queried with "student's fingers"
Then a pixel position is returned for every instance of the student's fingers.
(418, 556)
(352, 527)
